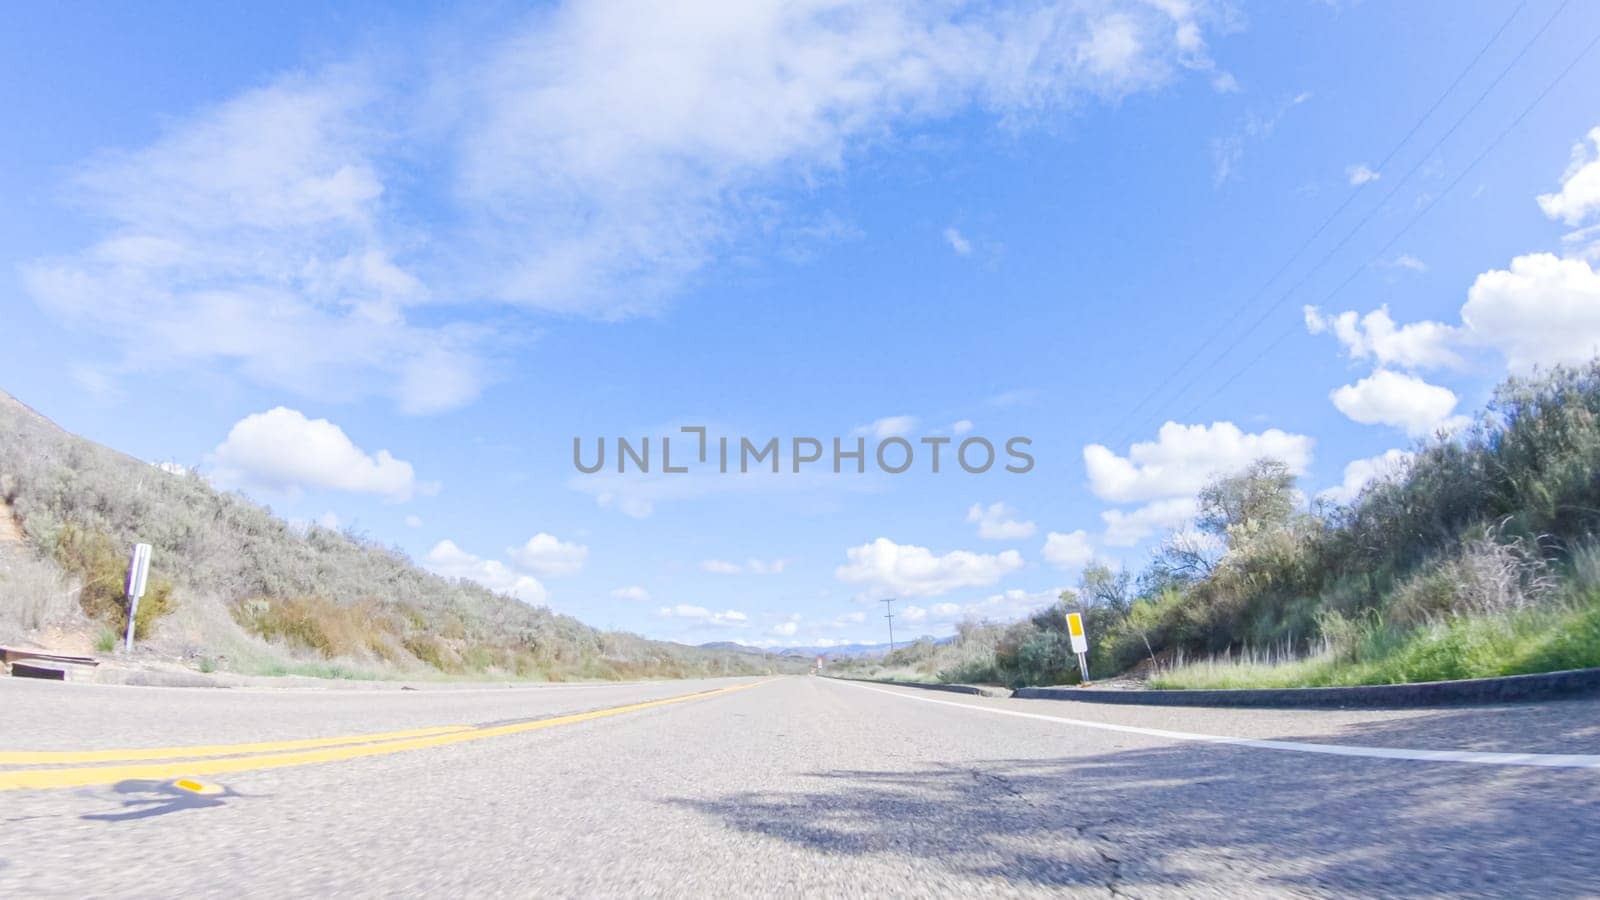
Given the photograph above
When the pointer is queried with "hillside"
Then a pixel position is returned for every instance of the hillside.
(234, 587)
(1477, 554)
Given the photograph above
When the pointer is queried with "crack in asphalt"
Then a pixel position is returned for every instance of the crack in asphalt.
(1091, 832)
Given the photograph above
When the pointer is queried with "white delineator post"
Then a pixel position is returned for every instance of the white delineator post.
(138, 573)
(1080, 643)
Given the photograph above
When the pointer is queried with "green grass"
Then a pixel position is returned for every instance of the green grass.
(1545, 639)
(327, 670)
(105, 641)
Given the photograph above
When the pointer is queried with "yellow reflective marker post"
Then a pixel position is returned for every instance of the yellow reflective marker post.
(1080, 643)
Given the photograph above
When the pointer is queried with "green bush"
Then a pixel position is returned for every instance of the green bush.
(100, 566)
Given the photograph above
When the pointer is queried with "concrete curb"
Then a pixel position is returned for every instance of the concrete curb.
(977, 689)
(1509, 689)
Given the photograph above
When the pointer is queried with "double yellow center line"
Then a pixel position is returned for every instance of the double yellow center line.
(176, 762)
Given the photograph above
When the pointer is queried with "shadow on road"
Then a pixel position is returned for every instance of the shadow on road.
(158, 798)
(1183, 815)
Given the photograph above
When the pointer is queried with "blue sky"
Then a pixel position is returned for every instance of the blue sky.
(381, 268)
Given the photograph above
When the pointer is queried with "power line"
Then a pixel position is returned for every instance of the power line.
(1350, 198)
(1277, 304)
(1504, 133)
(888, 605)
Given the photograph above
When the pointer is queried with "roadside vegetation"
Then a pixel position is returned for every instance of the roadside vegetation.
(1478, 557)
(234, 587)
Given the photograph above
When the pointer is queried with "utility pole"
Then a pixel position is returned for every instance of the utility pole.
(888, 606)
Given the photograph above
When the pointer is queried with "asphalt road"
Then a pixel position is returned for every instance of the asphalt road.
(789, 786)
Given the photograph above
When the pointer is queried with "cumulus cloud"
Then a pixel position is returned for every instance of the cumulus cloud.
(998, 522)
(545, 554)
(1362, 472)
(1399, 400)
(960, 427)
(1010, 605)
(633, 593)
(913, 571)
(282, 450)
(720, 567)
(1184, 457)
(1580, 187)
(593, 157)
(1541, 311)
(1071, 550)
(451, 561)
(1125, 529)
(786, 629)
(1375, 336)
(413, 521)
(730, 618)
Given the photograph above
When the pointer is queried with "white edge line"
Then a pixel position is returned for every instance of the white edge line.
(1546, 760)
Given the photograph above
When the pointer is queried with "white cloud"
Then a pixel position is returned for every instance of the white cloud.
(1010, 605)
(1402, 401)
(1358, 175)
(1125, 529)
(731, 618)
(282, 450)
(637, 495)
(329, 520)
(1071, 550)
(243, 230)
(1184, 457)
(850, 618)
(1362, 472)
(959, 244)
(586, 158)
(621, 139)
(912, 613)
(451, 561)
(1407, 261)
(960, 427)
(998, 522)
(946, 611)
(752, 566)
(1580, 187)
(1543, 310)
(633, 593)
(1375, 336)
(888, 426)
(913, 571)
(786, 629)
(545, 554)
(413, 521)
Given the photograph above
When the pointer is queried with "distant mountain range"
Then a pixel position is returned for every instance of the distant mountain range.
(833, 652)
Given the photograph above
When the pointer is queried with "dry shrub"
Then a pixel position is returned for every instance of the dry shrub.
(33, 593)
(1489, 575)
(100, 566)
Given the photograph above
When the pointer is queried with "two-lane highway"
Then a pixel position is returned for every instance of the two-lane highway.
(789, 786)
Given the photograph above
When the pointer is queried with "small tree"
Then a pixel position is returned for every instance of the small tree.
(1257, 500)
